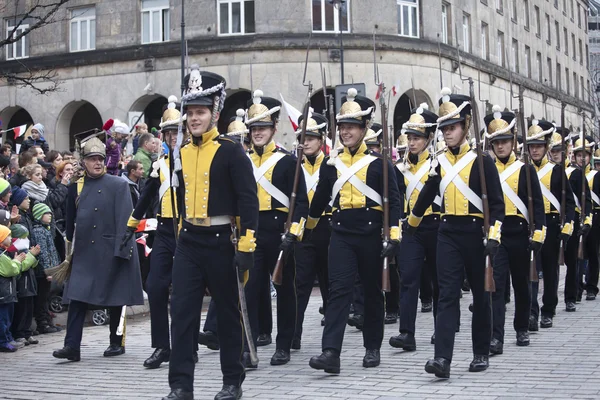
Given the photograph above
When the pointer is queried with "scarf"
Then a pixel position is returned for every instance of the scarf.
(35, 191)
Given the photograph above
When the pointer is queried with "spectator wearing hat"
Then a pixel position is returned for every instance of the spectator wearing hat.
(113, 146)
(9, 270)
(5, 192)
(36, 139)
(48, 258)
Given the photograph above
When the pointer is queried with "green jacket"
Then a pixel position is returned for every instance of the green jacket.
(145, 158)
(10, 267)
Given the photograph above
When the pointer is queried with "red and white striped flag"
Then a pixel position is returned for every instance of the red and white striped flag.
(147, 225)
(142, 240)
(20, 130)
(292, 113)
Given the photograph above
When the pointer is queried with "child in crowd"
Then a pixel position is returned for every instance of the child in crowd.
(49, 257)
(9, 270)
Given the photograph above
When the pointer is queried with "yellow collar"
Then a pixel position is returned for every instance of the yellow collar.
(208, 137)
(362, 148)
(268, 148)
(511, 159)
(464, 149)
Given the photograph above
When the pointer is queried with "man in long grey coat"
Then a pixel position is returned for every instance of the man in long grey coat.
(105, 272)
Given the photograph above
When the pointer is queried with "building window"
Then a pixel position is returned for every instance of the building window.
(527, 62)
(582, 87)
(408, 18)
(155, 21)
(500, 49)
(329, 18)
(557, 29)
(445, 23)
(566, 34)
(556, 4)
(466, 30)
(568, 80)
(526, 9)
(538, 22)
(515, 56)
(500, 6)
(236, 17)
(558, 77)
(575, 85)
(578, 15)
(549, 67)
(485, 41)
(548, 30)
(538, 66)
(572, 11)
(20, 48)
(587, 56)
(514, 11)
(573, 46)
(580, 52)
(83, 29)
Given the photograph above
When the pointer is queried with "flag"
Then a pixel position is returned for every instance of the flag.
(147, 225)
(142, 240)
(395, 89)
(292, 113)
(19, 130)
(378, 95)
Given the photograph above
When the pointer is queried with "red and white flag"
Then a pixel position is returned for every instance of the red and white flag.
(396, 89)
(292, 113)
(20, 130)
(142, 240)
(147, 225)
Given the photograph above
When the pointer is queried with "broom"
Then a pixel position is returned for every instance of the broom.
(62, 271)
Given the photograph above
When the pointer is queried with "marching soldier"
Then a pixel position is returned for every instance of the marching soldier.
(418, 251)
(311, 254)
(576, 178)
(456, 176)
(353, 187)
(104, 270)
(238, 130)
(593, 238)
(274, 171)
(514, 254)
(590, 239)
(163, 248)
(542, 140)
(214, 184)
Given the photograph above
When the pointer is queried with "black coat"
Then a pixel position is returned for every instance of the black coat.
(29, 143)
(102, 274)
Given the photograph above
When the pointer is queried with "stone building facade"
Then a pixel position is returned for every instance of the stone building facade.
(121, 58)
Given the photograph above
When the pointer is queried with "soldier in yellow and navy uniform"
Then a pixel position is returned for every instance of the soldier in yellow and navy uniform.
(455, 176)
(417, 252)
(541, 139)
(214, 185)
(163, 247)
(274, 172)
(516, 246)
(576, 178)
(582, 159)
(312, 253)
(238, 130)
(353, 187)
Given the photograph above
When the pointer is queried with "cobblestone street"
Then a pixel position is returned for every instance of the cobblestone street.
(560, 363)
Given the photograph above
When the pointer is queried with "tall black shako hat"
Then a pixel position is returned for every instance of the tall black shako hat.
(454, 108)
(262, 111)
(422, 122)
(203, 88)
(355, 109)
(316, 126)
(499, 124)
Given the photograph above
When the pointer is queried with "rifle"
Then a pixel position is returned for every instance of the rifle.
(580, 252)
(563, 193)
(278, 271)
(385, 272)
(533, 276)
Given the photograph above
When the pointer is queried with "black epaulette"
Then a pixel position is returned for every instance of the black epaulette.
(226, 139)
(375, 154)
(284, 151)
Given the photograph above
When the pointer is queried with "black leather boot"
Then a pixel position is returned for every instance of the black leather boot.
(209, 339)
(523, 338)
(438, 366)
(67, 353)
(114, 350)
(158, 357)
(179, 394)
(229, 392)
(404, 341)
(280, 357)
(479, 363)
(264, 339)
(372, 358)
(496, 347)
(329, 361)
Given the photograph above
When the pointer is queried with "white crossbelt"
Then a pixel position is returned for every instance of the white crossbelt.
(311, 180)
(590, 178)
(453, 176)
(164, 186)
(569, 171)
(272, 190)
(347, 174)
(414, 181)
(545, 191)
(509, 192)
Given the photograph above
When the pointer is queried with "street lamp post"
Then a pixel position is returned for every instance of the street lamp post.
(338, 6)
